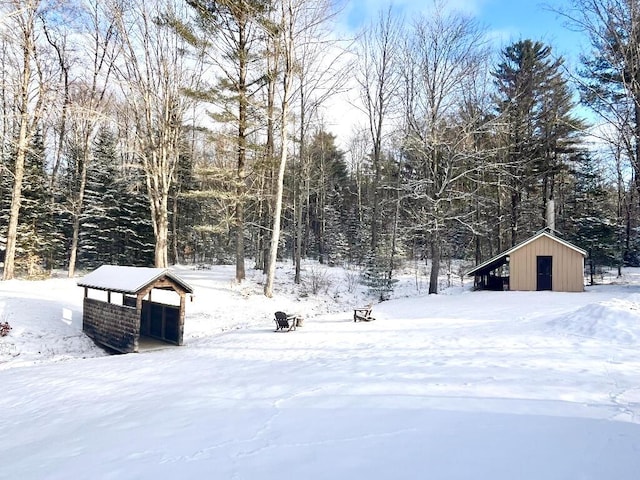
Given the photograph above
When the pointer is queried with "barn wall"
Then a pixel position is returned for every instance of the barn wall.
(568, 266)
(115, 326)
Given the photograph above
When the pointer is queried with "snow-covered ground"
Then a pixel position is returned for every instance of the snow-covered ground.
(462, 385)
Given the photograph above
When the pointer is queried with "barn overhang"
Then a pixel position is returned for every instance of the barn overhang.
(490, 265)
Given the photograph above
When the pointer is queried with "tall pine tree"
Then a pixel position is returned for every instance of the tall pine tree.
(535, 106)
(102, 206)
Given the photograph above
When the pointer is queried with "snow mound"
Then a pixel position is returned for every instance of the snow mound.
(614, 320)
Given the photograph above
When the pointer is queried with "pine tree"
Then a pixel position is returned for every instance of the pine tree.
(337, 245)
(535, 105)
(100, 217)
(238, 27)
(376, 276)
(136, 239)
(329, 181)
(610, 86)
(593, 223)
(37, 236)
(5, 203)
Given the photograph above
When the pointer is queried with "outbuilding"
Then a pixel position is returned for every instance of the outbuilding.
(542, 262)
(118, 310)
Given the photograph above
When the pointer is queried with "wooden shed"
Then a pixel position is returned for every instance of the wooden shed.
(118, 310)
(543, 262)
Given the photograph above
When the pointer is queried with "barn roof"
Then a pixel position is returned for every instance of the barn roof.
(501, 258)
(121, 279)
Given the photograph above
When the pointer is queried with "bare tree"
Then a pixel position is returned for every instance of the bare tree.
(378, 78)
(445, 51)
(29, 106)
(299, 26)
(154, 70)
(85, 102)
(321, 71)
(609, 81)
(288, 14)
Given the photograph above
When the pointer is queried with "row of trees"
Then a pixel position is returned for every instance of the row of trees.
(151, 133)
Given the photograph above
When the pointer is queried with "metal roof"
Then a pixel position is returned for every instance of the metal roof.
(500, 259)
(121, 279)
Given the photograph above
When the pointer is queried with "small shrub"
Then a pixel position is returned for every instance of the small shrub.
(318, 280)
(5, 328)
(351, 279)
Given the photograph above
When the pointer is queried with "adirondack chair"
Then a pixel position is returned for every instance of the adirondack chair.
(284, 322)
(363, 314)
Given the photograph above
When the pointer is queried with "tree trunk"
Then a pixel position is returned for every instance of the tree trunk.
(161, 257)
(272, 67)
(275, 235)
(77, 211)
(287, 30)
(242, 152)
(298, 193)
(73, 253)
(14, 212)
(24, 137)
(435, 263)
(174, 228)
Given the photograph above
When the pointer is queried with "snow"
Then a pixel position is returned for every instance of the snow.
(463, 385)
(126, 279)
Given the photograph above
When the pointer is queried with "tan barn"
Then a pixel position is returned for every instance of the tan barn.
(543, 262)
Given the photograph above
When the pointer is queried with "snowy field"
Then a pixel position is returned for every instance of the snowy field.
(462, 385)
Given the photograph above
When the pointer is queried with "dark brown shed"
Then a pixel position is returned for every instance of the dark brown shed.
(121, 326)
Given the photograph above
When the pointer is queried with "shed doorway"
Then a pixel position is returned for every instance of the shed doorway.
(544, 269)
(161, 322)
(158, 321)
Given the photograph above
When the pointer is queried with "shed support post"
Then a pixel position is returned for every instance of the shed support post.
(181, 328)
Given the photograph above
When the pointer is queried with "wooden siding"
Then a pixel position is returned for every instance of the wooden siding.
(114, 326)
(568, 266)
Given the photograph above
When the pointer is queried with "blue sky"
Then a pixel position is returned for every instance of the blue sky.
(506, 20)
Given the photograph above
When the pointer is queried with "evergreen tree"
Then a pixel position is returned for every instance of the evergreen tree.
(535, 105)
(5, 202)
(136, 239)
(183, 209)
(115, 224)
(337, 245)
(37, 236)
(231, 32)
(610, 86)
(593, 223)
(102, 204)
(329, 180)
(376, 276)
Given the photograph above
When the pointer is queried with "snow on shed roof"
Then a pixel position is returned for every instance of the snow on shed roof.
(128, 279)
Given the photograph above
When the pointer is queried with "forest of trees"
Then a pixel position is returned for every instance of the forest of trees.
(158, 132)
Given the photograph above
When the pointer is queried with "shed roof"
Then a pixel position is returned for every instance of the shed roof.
(121, 279)
(501, 258)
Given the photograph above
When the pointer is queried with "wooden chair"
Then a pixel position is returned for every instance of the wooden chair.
(284, 322)
(363, 314)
